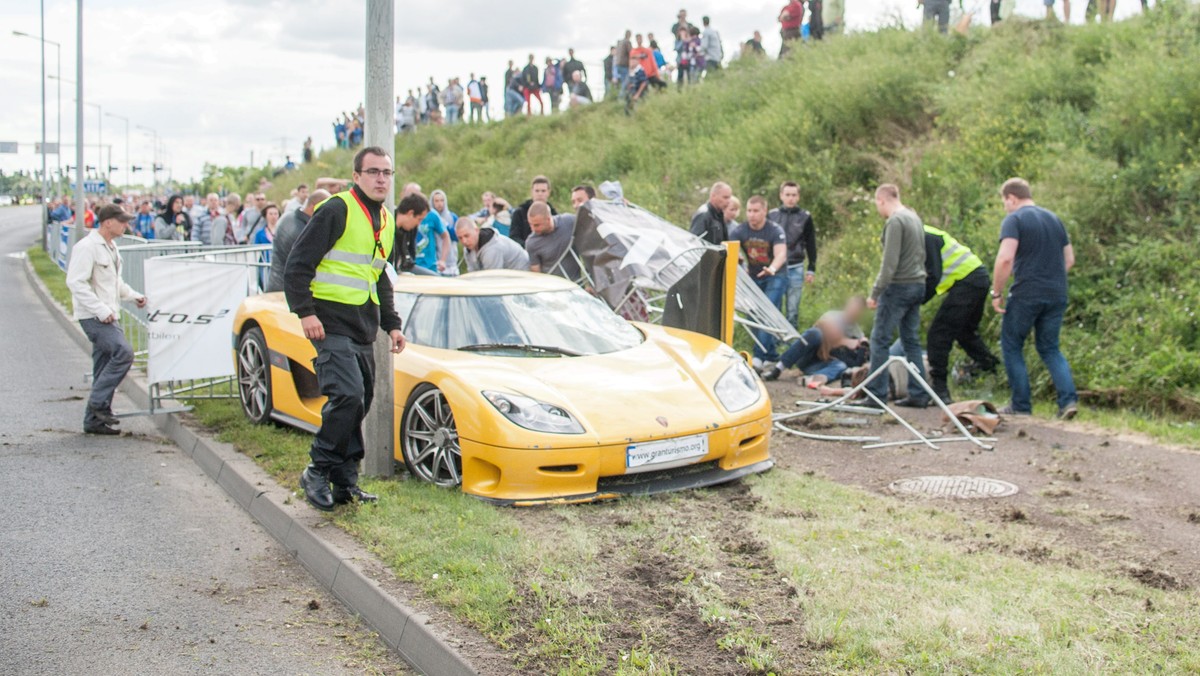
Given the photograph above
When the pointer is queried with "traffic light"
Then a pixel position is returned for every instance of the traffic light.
(135, 169)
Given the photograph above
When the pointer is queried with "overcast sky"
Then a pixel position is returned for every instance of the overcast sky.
(223, 78)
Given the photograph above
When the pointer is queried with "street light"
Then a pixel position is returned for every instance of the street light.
(58, 77)
(126, 119)
(45, 182)
(154, 166)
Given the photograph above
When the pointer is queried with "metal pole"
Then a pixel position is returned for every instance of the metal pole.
(126, 121)
(379, 427)
(80, 197)
(45, 178)
(58, 85)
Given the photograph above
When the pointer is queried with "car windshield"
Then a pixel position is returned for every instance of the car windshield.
(562, 323)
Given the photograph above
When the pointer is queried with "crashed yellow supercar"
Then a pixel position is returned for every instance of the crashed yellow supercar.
(524, 389)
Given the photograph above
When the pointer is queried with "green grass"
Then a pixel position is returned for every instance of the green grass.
(900, 587)
(51, 275)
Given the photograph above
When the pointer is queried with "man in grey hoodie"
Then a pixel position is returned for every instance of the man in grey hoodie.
(710, 42)
(898, 292)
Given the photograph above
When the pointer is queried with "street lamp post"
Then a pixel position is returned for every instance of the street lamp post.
(57, 77)
(154, 164)
(45, 176)
(126, 120)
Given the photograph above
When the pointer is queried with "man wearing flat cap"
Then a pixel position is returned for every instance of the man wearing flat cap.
(94, 278)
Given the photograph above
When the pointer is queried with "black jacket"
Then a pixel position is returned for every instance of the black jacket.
(360, 323)
(797, 224)
(709, 224)
(519, 229)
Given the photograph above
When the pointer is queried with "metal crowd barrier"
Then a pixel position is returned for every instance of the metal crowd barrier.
(165, 396)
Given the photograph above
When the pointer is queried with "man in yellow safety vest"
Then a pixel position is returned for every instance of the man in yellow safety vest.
(953, 271)
(339, 283)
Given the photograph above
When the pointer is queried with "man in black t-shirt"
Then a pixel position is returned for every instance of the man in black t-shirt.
(1036, 251)
(764, 246)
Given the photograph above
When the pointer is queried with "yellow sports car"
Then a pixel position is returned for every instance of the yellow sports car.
(523, 388)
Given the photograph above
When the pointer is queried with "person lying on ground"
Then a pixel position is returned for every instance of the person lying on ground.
(833, 344)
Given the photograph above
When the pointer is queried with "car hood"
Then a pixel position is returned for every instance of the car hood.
(660, 388)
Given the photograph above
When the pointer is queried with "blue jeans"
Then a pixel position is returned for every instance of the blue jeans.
(795, 281)
(899, 308)
(804, 354)
(512, 102)
(452, 112)
(774, 286)
(1044, 316)
(621, 75)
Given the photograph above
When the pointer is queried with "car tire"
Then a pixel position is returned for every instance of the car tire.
(254, 376)
(429, 438)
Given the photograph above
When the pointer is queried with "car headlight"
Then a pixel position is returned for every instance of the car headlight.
(533, 414)
(737, 388)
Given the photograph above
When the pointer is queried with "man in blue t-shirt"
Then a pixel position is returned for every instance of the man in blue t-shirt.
(1035, 250)
(433, 243)
(764, 245)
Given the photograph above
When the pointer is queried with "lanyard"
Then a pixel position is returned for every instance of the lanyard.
(383, 217)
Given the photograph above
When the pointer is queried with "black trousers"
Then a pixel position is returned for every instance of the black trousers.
(957, 320)
(346, 373)
(816, 23)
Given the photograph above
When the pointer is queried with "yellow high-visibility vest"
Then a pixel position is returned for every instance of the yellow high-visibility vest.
(350, 271)
(957, 260)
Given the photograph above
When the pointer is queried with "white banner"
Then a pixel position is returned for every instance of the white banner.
(190, 316)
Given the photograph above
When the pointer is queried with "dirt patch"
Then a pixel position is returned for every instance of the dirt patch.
(1119, 498)
(656, 589)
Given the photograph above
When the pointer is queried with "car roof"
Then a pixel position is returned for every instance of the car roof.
(483, 283)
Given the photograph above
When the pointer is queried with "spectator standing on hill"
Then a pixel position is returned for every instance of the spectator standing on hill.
(539, 191)
(308, 150)
(764, 246)
(454, 102)
(475, 95)
(483, 96)
(791, 18)
(286, 232)
(801, 234)
(486, 249)
(550, 241)
(710, 44)
(513, 98)
(552, 84)
(644, 56)
(956, 272)
(621, 74)
(94, 279)
(571, 66)
(709, 221)
(939, 11)
(608, 71)
(898, 292)
(681, 23)
(342, 319)
(1036, 251)
(816, 23)
(531, 87)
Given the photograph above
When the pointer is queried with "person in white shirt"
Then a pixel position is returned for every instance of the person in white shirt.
(298, 199)
(94, 279)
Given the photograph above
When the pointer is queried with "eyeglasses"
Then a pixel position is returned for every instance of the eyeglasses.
(386, 173)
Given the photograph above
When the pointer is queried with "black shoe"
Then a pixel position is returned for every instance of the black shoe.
(104, 415)
(316, 489)
(344, 495)
(867, 403)
(104, 430)
(772, 373)
(942, 391)
(912, 402)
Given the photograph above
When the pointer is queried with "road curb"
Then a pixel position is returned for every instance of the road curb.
(403, 629)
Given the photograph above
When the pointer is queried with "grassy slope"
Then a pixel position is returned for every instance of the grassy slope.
(1100, 119)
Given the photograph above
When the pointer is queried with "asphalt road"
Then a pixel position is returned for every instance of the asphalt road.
(117, 554)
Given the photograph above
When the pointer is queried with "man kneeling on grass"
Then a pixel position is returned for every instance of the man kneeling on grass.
(833, 344)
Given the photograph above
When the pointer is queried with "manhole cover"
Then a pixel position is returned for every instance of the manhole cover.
(961, 487)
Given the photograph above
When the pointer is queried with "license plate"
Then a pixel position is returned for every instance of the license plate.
(653, 454)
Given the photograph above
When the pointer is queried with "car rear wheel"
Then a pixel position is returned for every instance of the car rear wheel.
(429, 438)
(254, 376)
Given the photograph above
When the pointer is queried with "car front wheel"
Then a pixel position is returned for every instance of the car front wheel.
(254, 376)
(429, 438)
